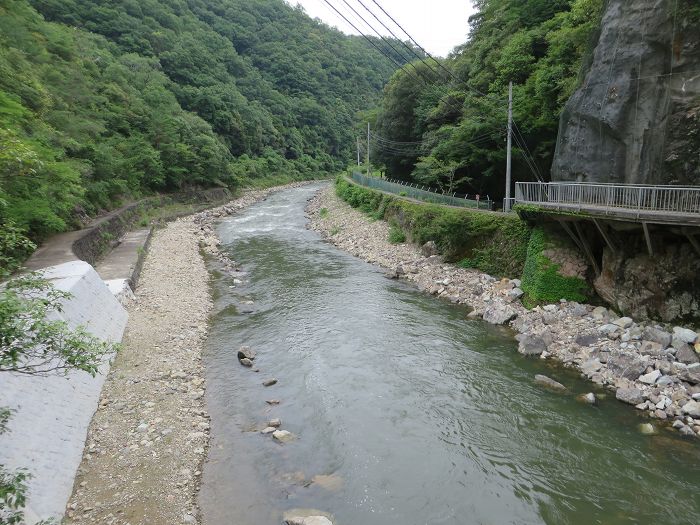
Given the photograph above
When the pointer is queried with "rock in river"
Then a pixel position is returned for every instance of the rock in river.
(282, 435)
(588, 398)
(270, 382)
(245, 352)
(306, 517)
(246, 362)
(548, 382)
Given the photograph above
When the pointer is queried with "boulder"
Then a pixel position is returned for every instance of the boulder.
(499, 314)
(650, 378)
(307, 520)
(692, 409)
(591, 366)
(684, 334)
(600, 313)
(626, 365)
(282, 435)
(651, 348)
(647, 429)
(686, 354)
(587, 398)
(429, 249)
(270, 382)
(245, 352)
(550, 383)
(631, 396)
(577, 309)
(246, 362)
(624, 322)
(586, 339)
(657, 335)
(531, 345)
(691, 374)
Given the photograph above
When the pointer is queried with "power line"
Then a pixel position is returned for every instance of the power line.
(399, 65)
(385, 40)
(410, 49)
(431, 56)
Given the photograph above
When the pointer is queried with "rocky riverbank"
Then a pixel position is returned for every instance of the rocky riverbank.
(148, 440)
(655, 368)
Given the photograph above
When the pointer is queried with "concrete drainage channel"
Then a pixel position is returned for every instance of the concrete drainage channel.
(51, 415)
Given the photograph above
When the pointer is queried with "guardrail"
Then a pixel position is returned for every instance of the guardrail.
(612, 199)
(421, 192)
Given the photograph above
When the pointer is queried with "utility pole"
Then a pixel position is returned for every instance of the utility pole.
(369, 170)
(358, 152)
(506, 205)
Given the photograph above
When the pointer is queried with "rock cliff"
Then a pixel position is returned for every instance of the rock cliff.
(636, 115)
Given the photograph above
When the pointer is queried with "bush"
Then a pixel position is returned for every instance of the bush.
(396, 235)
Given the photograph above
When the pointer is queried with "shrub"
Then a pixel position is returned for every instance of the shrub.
(396, 235)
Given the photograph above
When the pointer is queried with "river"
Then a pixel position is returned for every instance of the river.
(410, 413)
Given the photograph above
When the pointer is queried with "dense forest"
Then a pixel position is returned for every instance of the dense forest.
(445, 125)
(105, 101)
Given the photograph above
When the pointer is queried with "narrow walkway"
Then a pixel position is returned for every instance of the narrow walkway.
(59, 248)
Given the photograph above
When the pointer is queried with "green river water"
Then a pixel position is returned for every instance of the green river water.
(418, 415)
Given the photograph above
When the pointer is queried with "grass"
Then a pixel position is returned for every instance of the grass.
(323, 213)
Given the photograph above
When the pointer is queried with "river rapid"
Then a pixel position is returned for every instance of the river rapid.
(403, 410)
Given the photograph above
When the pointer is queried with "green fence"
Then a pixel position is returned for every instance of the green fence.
(423, 193)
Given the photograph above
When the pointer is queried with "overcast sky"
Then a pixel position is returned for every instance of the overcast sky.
(437, 25)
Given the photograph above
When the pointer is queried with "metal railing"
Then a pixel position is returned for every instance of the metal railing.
(421, 192)
(611, 198)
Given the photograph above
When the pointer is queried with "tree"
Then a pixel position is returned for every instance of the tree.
(443, 174)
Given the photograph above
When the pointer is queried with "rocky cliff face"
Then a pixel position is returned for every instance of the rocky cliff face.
(636, 116)
(665, 286)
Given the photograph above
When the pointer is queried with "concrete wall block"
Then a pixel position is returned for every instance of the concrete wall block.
(47, 432)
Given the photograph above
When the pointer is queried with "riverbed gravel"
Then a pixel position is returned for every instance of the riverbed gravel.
(149, 437)
(655, 368)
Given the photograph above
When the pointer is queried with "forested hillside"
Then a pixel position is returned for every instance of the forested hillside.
(456, 123)
(104, 101)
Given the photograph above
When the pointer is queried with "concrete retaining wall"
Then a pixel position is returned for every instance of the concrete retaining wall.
(47, 432)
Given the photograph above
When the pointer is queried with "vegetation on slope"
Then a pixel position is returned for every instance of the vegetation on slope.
(115, 99)
(491, 242)
(539, 45)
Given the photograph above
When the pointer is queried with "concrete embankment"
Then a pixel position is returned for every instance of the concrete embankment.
(51, 414)
(655, 368)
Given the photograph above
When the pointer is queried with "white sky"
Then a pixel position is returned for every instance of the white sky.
(437, 25)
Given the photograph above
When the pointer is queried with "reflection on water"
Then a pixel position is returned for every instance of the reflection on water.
(404, 411)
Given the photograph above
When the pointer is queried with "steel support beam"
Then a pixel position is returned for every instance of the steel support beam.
(606, 236)
(650, 248)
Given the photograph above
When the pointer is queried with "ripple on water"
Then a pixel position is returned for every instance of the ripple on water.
(428, 418)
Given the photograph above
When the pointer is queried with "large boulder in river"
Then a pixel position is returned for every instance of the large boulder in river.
(499, 313)
(634, 118)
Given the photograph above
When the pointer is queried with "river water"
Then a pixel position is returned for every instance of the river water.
(409, 413)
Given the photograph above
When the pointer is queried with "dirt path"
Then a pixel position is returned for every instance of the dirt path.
(149, 436)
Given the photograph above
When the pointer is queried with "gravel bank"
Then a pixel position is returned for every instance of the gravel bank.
(655, 368)
(148, 440)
